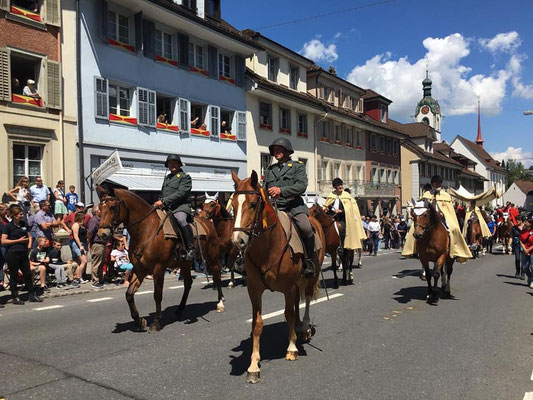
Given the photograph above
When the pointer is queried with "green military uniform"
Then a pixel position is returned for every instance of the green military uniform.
(176, 191)
(291, 178)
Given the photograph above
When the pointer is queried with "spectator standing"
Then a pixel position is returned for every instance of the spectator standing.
(387, 228)
(492, 227)
(374, 231)
(30, 90)
(516, 247)
(39, 192)
(39, 261)
(80, 207)
(78, 244)
(44, 222)
(21, 194)
(526, 242)
(402, 231)
(121, 260)
(72, 199)
(97, 250)
(17, 240)
(364, 221)
(60, 206)
(4, 208)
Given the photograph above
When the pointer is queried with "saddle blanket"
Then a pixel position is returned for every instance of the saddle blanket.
(295, 242)
(168, 229)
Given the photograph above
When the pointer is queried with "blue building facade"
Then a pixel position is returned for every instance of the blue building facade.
(159, 77)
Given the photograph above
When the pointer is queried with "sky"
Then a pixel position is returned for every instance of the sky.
(474, 50)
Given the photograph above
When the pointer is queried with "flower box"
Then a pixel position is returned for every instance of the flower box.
(198, 70)
(27, 100)
(349, 145)
(121, 119)
(167, 127)
(285, 131)
(226, 79)
(302, 134)
(337, 142)
(121, 45)
(265, 126)
(324, 139)
(165, 60)
(359, 147)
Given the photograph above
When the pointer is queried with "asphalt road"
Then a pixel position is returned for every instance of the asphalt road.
(377, 339)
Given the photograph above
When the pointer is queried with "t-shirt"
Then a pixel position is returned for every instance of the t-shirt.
(38, 255)
(526, 237)
(72, 199)
(121, 257)
(491, 225)
(373, 226)
(40, 218)
(92, 228)
(39, 193)
(15, 232)
(55, 256)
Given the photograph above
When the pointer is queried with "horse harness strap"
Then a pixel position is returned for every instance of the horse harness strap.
(139, 253)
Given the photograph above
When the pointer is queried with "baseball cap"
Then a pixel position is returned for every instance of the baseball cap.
(80, 204)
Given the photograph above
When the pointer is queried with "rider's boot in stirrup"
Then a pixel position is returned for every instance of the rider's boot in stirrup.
(309, 266)
(188, 238)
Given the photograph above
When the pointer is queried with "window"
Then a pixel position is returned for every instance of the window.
(337, 170)
(337, 134)
(224, 65)
(165, 109)
(381, 144)
(327, 93)
(285, 120)
(196, 55)
(118, 27)
(163, 44)
(27, 161)
(324, 131)
(373, 142)
(23, 66)
(273, 67)
(294, 76)
(425, 120)
(353, 103)
(32, 6)
(213, 8)
(265, 163)
(359, 139)
(396, 145)
(374, 174)
(384, 113)
(185, 115)
(323, 170)
(213, 125)
(265, 115)
(302, 124)
(190, 4)
(101, 98)
(240, 118)
(347, 172)
(146, 107)
(119, 100)
(389, 146)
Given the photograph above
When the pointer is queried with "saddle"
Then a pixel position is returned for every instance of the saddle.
(293, 235)
(170, 226)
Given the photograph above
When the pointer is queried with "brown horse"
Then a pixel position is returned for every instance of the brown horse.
(223, 221)
(474, 237)
(150, 252)
(332, 243)
(504, 234)
(432, 244)
(269, 264)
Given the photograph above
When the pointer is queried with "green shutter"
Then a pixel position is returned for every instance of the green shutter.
(4, 5)
(53, 85)
(5, 75)
(53, 12)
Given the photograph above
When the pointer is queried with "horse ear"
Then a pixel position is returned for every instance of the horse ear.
(206, 195)
(216, 196)
(235, 177)
(105, 191)
(254, 179)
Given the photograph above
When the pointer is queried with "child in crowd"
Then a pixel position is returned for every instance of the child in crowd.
(122, 261)
(64, 271)
(39, 260)
(72, 199)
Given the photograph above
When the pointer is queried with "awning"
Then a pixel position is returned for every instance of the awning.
(201, 182)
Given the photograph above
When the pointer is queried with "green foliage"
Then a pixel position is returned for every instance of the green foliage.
(516, 172)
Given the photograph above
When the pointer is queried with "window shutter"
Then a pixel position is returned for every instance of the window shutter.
(148, 38)
(53, 84)
(240, 71)
(4, 5)
(213, 113)
(53, 12)
(240, 117)
(212, 62)
(138, 19)
(101, 98)
(102, 19)
(151, 108)
(142, 106)
(5, 75)
(185, 115)
(183, 50)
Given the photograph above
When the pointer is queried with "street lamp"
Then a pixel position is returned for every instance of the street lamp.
(528, 112)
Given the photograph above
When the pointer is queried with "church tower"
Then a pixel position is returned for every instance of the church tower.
(428, 109)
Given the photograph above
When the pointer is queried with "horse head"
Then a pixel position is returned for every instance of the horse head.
(210, 207)
(248, 203)
(110, 214)
(424, 217)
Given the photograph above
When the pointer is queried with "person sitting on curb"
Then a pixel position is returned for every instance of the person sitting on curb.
(39, 261)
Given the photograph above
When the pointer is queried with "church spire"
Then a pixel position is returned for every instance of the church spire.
(426, 84)
(479, 139)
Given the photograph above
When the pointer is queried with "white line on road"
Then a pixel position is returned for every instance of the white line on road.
(532, 375)
(145, 292)
(176, 287)
(528, 396)
(302, 305)
(47, 308)
(100, 299)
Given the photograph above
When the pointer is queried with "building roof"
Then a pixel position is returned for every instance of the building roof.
(371, 94)
(436, 156)
(466, 171)
(315, 69)
(415, 129)
(524, 186)
(482, 154)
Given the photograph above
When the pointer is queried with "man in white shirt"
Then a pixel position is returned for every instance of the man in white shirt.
(30, 90)
(374, 233)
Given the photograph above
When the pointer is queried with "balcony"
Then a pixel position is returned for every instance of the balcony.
(361, 188)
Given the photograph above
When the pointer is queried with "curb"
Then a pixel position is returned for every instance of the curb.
(70, 292)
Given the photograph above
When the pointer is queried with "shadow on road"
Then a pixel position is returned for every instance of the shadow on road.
(407, 272)
(405, 295)
(274, 342)
(519, 283)
(506, 276)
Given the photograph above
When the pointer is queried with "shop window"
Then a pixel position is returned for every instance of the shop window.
(265, 115)
(27, 161)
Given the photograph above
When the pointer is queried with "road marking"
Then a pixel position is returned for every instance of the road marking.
(100, 299)
(145, 292)
(302, 305)
(528, 396)
(47, 308)
(176, 287)
(532, 375)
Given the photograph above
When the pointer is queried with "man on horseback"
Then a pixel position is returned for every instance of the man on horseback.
(174, 196)
(474, 212)
(286, 182)
(345, 211)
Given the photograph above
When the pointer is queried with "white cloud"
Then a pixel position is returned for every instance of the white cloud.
(518, 154)
(319, 51)
(505, 42)
(337, 35)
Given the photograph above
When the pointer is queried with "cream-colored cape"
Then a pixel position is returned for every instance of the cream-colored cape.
(485, 232)
(355, 232)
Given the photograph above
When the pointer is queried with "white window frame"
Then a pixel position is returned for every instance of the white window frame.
(184, 110)
(213, 120)
(146, 109)
(116, 34)
(103, 95)
(265, 160)
(272, 68)
(160, 34)
(222, 65)
(383, 113)
(195, 53)
(239, 125)
(130, 100)
(294, 79)
(26, 160)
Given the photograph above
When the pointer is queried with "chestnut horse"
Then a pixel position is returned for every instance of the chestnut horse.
(223, 221)
(474, 237)
(332, 243)
(432, 244)
(150, 252)
(504, 234)
(269, 264)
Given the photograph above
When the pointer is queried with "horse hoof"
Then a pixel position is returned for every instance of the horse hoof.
(230, 285)
(252, 377)
(291, 356)
(220, 307)
(141, 324)
(154, 328)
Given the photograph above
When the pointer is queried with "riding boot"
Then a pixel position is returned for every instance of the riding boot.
(33, 298)
(309, 265)
(188, 238)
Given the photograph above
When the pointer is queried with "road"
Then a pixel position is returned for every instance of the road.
(376, 339)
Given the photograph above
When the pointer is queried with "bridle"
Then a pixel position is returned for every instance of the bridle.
(215, 213)
(255, 228)
(116, 214)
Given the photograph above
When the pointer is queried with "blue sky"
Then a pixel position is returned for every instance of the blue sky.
(474, 49)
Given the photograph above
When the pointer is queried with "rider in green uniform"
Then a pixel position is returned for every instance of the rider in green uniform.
(286, 182)
(174, 196)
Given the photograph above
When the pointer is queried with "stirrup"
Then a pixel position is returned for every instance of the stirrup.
(190, 255)
(308, 268)
(339, 251)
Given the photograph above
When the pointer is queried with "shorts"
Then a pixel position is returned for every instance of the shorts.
(126, 267)
(75, 249)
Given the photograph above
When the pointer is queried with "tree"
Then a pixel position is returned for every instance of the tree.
(503, 164)
(516, 172)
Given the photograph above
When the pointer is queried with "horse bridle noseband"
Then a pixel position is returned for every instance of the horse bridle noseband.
(116, 214)
(251, 229)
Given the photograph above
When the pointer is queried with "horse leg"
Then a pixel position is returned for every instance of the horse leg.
(449, 270)
(334, 268)
(159, 280)
(217, 281)
(344, 264)
(292, 350)
(185, 268)
(231, 283)
(425, 268)
(437, 272)
(360, 256)
(255, 294)
(135, 282)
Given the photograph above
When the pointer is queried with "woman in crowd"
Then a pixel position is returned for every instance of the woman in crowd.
(21, 194)
(60, 206)
(402, 231)
(3, 222)
(79, 245)
(526, 243)
(517, 249)
(17, 239)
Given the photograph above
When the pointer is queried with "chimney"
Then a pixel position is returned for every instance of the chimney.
(479, 139)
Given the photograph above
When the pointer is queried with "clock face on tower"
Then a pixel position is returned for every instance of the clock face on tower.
(425, 110)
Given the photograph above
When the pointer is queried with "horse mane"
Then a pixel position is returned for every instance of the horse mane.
(224, 213)
(126, 195)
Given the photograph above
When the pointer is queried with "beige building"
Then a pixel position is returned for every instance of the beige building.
(278, 105)
(37, 125)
